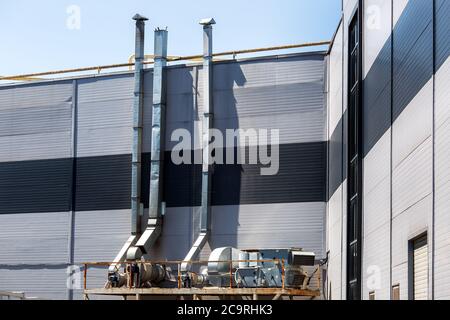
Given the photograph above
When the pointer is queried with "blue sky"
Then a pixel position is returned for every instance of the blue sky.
(34, 36)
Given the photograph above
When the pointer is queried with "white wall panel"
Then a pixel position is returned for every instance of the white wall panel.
(273, 225)
(414, 125)
(376, 262)
(377, 163)
(412, 179)
(35, 122)
(335, 79)
(39, 282)
(442, 186)
(99, 235)
(34, 238)
(377, 30)
(335, 243)
(398, 8)
(105, 115)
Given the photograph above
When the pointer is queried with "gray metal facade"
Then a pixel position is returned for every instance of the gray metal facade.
(65, 173)
(406, 137)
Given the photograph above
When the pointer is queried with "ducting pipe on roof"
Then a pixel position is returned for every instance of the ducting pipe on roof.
(206, 138)
(153, 229)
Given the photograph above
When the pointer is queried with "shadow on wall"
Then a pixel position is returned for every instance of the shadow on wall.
(182, 183)
(227, 178)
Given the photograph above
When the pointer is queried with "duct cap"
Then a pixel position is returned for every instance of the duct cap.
(207, 21)
(138, 17)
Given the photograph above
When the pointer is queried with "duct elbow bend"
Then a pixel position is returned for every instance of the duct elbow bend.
(134, 253)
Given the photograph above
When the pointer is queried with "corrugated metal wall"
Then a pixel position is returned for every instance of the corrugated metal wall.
(45, 228)
(405, 182)
(335, 169)
(442, 152)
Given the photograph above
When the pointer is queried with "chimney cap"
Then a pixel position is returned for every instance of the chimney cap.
(138, 17)
(207, 21)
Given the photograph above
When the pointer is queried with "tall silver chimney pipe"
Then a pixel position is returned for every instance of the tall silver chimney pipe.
(138, 104)
(153, 229)
(206, 139)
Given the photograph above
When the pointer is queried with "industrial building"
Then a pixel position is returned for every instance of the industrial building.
(87, 172)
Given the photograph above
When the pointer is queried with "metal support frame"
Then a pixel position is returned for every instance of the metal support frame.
(207, 124)
(153, 229)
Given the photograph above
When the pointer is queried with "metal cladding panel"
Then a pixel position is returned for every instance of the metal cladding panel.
(376, 71)
(442, 154)
(442, 209)
(335, 244)
(376, 206)
(377, 163)
(413, 57)
(349, 6)
(40, 281)
(414, 18)
(105, 115)
(349, 9)
(376, 263)
(335, 82)
(442, 94)
(284, 93)
(177, 234)
(377, 32)
(442, 32)
(335, 129)
(34, 238)
(35, 186)
(35, 121)
(184, 102)
(103, 183)
(398, 8)
(412, 179)
(280, 93)
(414, 125)
(301, 178)
(400, 278)
(99, 235)
(272, 225)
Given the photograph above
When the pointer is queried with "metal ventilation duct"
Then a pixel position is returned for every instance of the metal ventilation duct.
(153, 229)
(138, 103)
(206, 138)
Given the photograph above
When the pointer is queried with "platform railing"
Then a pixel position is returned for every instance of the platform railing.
(127, 269)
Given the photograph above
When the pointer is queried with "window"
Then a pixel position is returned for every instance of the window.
(396, 292)
(372, 295)
(354, 156)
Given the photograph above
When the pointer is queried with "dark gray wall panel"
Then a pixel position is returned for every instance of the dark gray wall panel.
(416, 17)
(413, 72)
(377, 118)
(301, 178)
(442, 32)
(35, 186)
(335, 160)
(103, 183)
